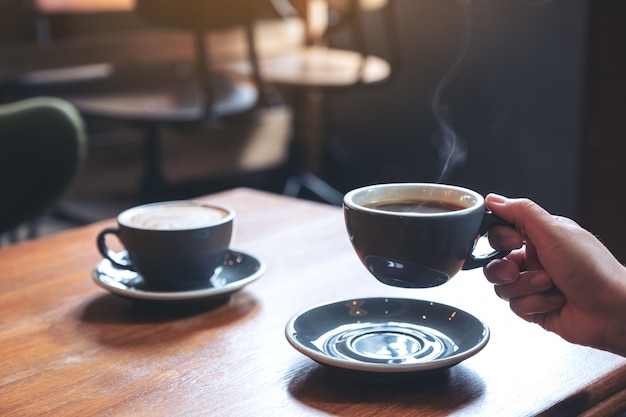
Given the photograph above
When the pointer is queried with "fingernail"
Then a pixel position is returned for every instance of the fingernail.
(511, 277)
(540, 279)
(496, 198)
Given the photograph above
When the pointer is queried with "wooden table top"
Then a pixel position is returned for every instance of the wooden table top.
(68, 347)
(316, 66)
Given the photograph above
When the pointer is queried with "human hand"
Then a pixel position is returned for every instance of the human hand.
(558, 275)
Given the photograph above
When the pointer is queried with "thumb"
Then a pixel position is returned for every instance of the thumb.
(532, 221)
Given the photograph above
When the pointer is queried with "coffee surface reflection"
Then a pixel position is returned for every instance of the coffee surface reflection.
(174, 217)
(415, 206)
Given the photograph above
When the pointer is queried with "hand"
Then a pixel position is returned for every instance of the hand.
(558, 275)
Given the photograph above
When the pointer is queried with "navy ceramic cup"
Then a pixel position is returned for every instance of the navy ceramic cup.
(417, 235)
(174, 245)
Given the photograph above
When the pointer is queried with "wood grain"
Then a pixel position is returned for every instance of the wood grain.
(70, 348)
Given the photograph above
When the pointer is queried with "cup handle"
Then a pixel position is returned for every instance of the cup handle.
(489, 220)
(117, 258)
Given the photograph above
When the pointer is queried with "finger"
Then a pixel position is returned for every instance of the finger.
(504, 238)
(526, 258)
(501, 271)
(529, 283)
(531, 260)
(531, 220)
(518, 257)
(532, 305)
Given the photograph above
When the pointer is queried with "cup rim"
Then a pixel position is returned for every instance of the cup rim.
(475, 197)
(228, 218)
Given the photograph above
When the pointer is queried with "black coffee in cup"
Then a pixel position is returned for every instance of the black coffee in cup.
(414, 206)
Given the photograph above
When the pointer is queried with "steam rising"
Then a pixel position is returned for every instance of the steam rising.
(452, 149)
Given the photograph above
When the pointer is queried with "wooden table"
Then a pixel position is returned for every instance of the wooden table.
(70, 348)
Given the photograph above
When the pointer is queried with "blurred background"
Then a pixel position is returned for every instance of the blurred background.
(536, 103)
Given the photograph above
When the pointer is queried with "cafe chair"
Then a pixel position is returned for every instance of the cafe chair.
(42, 147)
(311, 71)
(369, 28)
(244, 104)
(349, 18)
(187, 94)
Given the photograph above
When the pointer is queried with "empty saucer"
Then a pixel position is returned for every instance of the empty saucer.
(387, 335)
(237, 270)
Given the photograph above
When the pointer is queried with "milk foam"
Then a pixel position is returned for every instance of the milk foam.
(176, 217)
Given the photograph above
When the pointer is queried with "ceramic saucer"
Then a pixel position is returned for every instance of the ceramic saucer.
(237, 270)
(391, 336)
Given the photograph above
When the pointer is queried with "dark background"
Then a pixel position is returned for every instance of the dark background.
(538, 102)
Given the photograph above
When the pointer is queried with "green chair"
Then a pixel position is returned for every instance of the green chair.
(42, 146)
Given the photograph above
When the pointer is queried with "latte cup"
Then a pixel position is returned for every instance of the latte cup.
(418, 235)
(173, 245)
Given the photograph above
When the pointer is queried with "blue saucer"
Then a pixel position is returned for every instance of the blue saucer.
(387, 336)
(237, 270)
